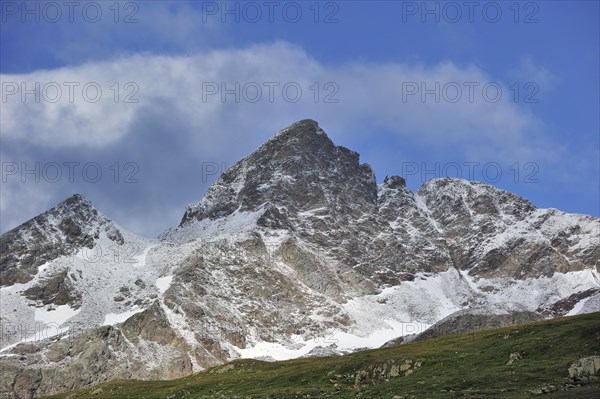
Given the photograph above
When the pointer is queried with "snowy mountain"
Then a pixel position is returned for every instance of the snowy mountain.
(71, 263)
(293, 251)
(72, 225)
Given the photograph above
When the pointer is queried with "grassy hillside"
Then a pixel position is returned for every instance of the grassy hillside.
(457, 366)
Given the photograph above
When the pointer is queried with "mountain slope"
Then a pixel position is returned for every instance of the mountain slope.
(293, 245)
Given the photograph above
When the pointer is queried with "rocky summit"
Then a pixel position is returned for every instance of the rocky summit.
(294, 251)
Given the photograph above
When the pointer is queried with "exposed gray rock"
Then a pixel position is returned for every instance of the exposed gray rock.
(383, 372)
(514, 357)
(543, 389)
(585, 368)
(57, 290)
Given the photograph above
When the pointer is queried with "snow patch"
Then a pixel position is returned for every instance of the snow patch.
(225, 227)
(377, 338)
(163, 283)
(140, 260)
(113, 318)
(274, 351)
(57, 315)
(532, 293)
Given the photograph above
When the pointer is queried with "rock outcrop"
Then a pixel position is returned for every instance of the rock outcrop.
(585, 369)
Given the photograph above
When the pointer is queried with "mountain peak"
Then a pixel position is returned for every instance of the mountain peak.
(303, 126)
(394, 182)
(302, 136)
(76, 200)
(80, 208)
(299, 169)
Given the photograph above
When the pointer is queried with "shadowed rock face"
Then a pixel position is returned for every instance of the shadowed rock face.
(299, 169)
(277, 247)
(55, 290)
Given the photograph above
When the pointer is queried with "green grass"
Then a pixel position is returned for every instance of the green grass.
(457, 366)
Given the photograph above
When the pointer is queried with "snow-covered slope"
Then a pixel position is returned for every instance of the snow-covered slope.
(492, 232)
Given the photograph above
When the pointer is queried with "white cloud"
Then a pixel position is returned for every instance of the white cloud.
(364, 91)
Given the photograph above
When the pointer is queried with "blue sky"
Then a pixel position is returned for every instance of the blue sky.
(362, 68)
